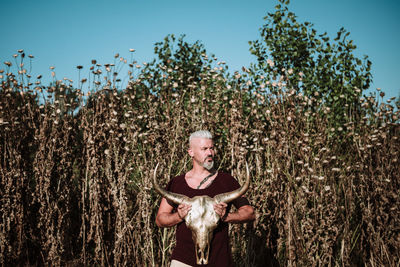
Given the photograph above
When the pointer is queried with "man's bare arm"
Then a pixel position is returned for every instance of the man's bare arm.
(167, 218)
(243, 214)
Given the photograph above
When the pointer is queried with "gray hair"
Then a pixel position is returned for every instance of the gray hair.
(200, 134)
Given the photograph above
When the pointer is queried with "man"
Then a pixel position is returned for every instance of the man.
(203, 179)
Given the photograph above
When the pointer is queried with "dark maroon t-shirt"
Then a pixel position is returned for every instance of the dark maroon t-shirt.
(220, 251)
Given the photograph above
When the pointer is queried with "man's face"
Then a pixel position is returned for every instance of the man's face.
(202, 152)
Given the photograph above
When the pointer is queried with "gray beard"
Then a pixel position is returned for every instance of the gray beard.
(208, 165)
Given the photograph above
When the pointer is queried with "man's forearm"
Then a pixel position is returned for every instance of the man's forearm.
(243, 214)
(168, 219)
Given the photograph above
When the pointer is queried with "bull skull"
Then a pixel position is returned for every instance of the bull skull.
(202, 219)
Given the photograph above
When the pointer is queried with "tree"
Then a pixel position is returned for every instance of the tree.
(325, 70)
(179, 65)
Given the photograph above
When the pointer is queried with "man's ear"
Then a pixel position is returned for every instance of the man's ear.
(190, 151)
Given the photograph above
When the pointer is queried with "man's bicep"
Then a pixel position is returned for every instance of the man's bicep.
(165, 207)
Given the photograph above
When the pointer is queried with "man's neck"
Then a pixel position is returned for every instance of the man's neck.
(199, 172)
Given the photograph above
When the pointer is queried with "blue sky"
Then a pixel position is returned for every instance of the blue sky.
(65, 34)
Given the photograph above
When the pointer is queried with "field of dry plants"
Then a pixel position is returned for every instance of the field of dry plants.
(76, 167)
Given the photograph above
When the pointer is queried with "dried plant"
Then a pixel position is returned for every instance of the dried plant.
(75, 168)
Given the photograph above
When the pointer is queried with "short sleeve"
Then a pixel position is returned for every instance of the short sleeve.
(173, 186)
(241, 201)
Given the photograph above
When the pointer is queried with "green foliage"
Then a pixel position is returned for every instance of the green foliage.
(310, 62)
(178, 65)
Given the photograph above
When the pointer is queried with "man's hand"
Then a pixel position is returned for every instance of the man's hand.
(183, 210)
(220, 209)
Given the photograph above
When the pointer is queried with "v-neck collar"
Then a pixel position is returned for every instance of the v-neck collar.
(212, 182)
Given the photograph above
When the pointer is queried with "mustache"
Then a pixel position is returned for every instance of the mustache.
(208, 159)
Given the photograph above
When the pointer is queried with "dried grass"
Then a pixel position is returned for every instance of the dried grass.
(75, 183)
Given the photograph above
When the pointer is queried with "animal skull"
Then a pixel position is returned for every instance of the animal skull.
(202, 219)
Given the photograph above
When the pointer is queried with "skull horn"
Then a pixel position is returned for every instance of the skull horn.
(172, 197)
(230, 196)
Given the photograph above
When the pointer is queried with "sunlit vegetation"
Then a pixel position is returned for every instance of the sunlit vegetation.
(76, 163)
